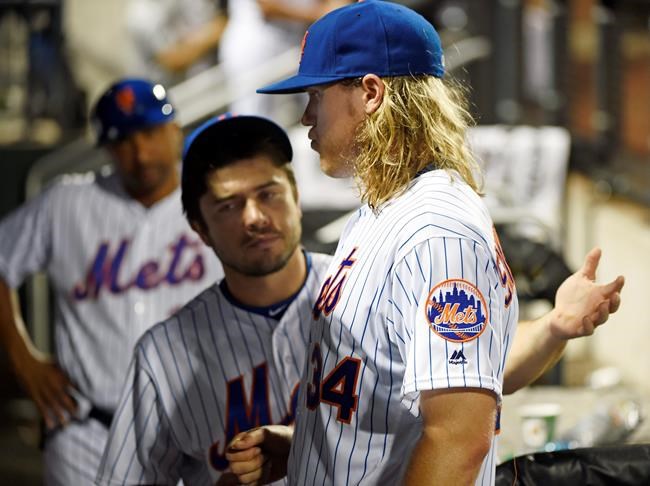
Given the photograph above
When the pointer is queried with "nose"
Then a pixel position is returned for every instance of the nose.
(307, 118)
(254, 216)
(143, 147)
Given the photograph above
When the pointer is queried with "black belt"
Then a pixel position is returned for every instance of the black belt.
(102, 416)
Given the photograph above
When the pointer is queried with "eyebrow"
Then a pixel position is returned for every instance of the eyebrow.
(218, 200)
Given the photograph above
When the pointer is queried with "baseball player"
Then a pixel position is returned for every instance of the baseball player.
(413, 324)
(231, 359)
(119, 256)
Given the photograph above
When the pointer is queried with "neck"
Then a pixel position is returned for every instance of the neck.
(269, 289)
(152, 197)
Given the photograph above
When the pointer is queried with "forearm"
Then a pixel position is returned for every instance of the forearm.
(279, 10)
(13, 334)
(190, 49)
(442, 457)
(534, 351)
(458, 426)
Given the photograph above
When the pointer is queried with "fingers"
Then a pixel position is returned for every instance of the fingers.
(52, 398)
(245, 440)
(587, 326)
(610, 292)
(614, 287)
(614, 302)
(602, 314)
(591, 263)
(50, 423)
(247, 465)
(244, 455)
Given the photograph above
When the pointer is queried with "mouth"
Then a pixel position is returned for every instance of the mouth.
(262, 241)
(312, 136)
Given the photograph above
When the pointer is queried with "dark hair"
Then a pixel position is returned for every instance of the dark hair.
(207, 157)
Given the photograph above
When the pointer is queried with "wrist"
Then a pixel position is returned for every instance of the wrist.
(552, 329)
(20, 354)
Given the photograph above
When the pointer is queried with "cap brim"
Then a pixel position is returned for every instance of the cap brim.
(298, 84)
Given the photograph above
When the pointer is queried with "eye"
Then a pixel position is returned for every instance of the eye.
(314, 94)
(268, 194)
(227, 206)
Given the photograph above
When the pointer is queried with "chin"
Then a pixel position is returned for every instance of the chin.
(338, 169)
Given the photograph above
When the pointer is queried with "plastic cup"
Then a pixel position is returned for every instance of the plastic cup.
(538, 422)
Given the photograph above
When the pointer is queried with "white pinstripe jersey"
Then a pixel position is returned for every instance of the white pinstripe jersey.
(116, 268)
(418, 297)
(203, 376)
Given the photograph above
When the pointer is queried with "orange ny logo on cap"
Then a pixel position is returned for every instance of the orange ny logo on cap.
(125, 100)
(302, 45)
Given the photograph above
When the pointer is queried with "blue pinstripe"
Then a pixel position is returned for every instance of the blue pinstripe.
(155, 343)
(198, 389)
(180, 378)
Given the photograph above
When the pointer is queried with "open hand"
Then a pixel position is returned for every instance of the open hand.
(581, 304)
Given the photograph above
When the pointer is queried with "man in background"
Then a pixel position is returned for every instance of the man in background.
(119, 256)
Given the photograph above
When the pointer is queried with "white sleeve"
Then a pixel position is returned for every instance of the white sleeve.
(450, 310)
(147, 22)
(140, 447)
(26, 238)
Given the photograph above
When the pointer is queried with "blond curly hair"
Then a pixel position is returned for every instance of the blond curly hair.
(421, 122)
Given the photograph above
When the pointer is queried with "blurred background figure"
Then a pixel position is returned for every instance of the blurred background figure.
(258, 31)
(173, 39)
(120, 257)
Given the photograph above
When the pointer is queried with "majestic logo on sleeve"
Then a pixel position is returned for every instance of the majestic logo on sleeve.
(456, 311)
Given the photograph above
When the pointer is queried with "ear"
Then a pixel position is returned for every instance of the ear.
(177, 133)
(200, 230)
(373, 92)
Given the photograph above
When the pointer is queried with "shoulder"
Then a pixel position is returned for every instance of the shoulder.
(70, 185)
(167, 333)
(439, 205)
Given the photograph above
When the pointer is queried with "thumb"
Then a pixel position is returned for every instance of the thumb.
(591, 263)
(245, 440)
(238, 442)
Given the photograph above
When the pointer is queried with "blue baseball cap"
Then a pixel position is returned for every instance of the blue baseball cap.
(129, 105)
(224, 128)
(371, 36)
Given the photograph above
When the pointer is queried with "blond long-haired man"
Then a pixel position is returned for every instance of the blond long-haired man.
(412, 328)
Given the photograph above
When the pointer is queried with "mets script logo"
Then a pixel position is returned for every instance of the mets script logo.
(330, 292)
(107, 270)
(456, 311)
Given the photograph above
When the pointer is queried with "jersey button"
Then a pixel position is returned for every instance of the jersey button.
(138, 308)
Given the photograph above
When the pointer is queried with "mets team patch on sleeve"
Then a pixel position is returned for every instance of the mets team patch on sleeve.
(456, 311)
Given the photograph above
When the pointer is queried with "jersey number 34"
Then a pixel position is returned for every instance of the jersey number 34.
(338, 388)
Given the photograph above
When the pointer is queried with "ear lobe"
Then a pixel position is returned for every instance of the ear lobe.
(373, 88)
